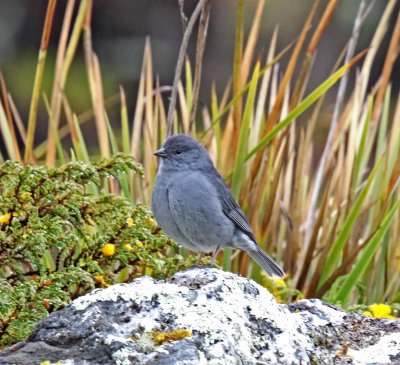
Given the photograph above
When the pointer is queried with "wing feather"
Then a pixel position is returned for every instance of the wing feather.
(230, 208)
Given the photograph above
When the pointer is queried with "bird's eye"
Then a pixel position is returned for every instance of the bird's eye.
(178, 153)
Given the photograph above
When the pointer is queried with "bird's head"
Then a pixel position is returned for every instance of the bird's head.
(181, 152)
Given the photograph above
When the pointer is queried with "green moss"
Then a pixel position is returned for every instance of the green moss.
(55, 222)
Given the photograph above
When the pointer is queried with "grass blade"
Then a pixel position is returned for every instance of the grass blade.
(335, 253)
(365, 258)
(244, 134)
(304, 105)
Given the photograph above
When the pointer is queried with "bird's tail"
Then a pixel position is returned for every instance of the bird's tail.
(269, 265)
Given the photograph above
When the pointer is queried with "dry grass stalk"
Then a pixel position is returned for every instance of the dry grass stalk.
(28, 157)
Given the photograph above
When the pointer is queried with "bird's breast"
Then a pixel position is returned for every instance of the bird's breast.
(162, 211)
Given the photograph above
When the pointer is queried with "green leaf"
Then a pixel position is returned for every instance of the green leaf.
(111, 135)
(361, 157)
(79, 142)
(189, 85)
(238, 172)
(366, 257)
(56, 131)
(124, 126)
(335, 253)
(121, 176)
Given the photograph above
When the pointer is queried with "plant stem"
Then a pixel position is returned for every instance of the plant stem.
(329, 142)
(201, 43)
(179, 64)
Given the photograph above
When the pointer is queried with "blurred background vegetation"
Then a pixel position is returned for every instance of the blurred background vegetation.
(297, 102)
(119, 32)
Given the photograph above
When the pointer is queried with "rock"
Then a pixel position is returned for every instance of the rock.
(204, 316)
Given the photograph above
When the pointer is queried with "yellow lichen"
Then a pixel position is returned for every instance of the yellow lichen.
(160, 337)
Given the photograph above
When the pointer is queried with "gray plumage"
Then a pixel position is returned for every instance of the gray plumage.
(194, 206)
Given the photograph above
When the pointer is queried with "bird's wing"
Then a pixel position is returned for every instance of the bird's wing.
(196, 209)
(229, 206)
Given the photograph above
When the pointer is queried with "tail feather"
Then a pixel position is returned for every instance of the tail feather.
(269, 265)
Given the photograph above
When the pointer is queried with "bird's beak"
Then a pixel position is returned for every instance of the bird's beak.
(160, 153)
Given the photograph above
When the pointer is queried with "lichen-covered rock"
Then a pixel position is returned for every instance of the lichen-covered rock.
(204, 316)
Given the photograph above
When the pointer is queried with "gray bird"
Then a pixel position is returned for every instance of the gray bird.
(195, 207)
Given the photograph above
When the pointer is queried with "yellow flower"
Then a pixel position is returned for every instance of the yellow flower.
(151, 221)
(101, 280)
(5, 218)
(108, 249)
(381, 310)
(128, 246)
(139, 243)
(367, 313)
(279, 282)
(129, 222)
(277, 287)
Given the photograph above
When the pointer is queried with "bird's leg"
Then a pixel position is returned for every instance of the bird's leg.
(201, 255)
(214, 255)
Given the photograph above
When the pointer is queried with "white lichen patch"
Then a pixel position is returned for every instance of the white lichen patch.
(91, 314)
(65, 362)
(113, 338)
(141, 289)
(380, 353)
(321, 314)
(113, 293)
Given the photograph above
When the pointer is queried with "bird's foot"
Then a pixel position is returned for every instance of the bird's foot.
(214, 255)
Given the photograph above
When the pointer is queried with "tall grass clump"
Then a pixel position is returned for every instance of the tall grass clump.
(329, 216)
